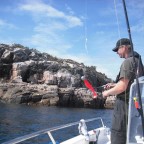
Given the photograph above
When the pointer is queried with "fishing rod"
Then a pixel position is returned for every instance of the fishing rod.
(140, 109)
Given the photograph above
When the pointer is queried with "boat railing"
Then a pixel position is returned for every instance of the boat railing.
(48, 132)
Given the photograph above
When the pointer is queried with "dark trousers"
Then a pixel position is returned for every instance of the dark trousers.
(119, 122)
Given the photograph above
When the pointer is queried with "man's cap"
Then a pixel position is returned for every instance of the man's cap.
(123, 41)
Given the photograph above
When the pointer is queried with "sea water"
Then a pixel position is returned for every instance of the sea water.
(18, 120)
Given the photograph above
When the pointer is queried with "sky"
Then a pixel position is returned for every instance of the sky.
(82, 30)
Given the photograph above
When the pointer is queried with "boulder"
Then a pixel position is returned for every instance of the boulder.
(36, 78)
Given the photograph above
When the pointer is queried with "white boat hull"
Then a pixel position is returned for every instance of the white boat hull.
(100, 135)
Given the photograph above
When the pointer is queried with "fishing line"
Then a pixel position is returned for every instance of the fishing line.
(86, 48)
(117, 19)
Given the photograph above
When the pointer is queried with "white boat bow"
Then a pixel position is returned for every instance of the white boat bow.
(96, 136)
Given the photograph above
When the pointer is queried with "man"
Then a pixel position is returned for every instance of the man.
(121, 89)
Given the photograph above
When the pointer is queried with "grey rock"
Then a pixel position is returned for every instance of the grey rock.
(36, 78)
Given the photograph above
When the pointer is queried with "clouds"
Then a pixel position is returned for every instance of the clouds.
(51, 26)
(138, 28)
(74, 29)
(45, 10)
(4, 24)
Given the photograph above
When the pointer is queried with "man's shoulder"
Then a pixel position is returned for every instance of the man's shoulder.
(128, 63)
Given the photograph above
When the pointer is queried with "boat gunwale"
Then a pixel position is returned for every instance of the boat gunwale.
(44, 131)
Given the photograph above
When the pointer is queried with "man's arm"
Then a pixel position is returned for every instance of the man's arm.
(120, 87)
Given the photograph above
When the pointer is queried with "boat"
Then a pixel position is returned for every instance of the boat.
(135, 129)
(100, 135)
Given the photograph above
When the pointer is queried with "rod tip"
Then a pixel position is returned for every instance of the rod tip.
(83, 78)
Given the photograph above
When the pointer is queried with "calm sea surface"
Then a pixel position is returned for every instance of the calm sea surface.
(19, 120)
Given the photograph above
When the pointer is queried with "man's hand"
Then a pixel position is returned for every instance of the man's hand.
(109, 86)
(117, 88)
(105, 94)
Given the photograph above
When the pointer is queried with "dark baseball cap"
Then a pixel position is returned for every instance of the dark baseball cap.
(123, 41)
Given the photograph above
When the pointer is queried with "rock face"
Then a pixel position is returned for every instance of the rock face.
(22, 93)
(30, 77)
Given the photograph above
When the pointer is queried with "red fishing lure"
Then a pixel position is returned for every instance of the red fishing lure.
(89, 86)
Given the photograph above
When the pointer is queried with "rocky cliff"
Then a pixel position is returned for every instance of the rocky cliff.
(31, 77)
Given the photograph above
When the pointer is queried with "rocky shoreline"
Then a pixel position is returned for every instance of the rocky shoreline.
(33, 78)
